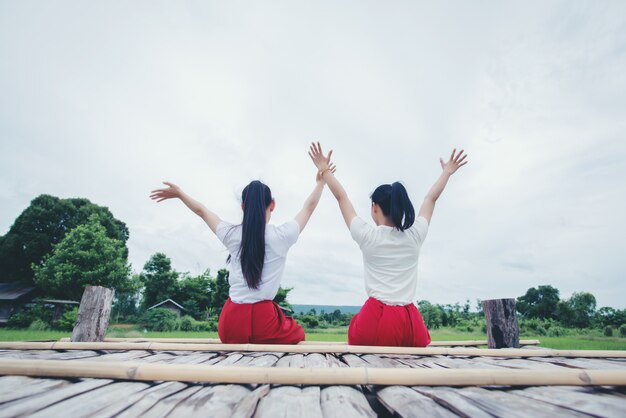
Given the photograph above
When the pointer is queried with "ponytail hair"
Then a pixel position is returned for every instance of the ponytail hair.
(395, 204)
(255, 198)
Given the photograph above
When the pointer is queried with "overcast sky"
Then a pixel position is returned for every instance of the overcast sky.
(104, 100)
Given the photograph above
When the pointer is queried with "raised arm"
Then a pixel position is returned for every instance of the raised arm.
(322, 163)
(454, 163)
(311, 202)
(175, 192)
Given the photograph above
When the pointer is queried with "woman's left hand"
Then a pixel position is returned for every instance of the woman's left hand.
(171, 192)
(320, 160)
(318, 176)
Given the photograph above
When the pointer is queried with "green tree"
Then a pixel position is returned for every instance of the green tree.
(281, 297)
(126, 302)
(540, 302)
(219, 290)
(430, 313)
(44, 223)
(159, 280)
(86, 256)
(194, 294)
(582, 307)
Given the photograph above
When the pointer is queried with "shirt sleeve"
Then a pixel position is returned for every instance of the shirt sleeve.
(224, 232)
(287, 234)
(420, 229)
(361, 231)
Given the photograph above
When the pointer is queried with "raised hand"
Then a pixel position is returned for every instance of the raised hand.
(455, 162)
(321, 161)
(318, 176)
(171, 192)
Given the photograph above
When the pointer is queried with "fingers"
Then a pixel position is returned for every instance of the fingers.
(460, 160)
(441, 162)
(461, 165)
(452, 155)
(329, 154)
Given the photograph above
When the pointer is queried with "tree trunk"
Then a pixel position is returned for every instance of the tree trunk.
(93, 314)
(502, 328)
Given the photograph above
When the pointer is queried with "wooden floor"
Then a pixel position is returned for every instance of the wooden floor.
(52, 397)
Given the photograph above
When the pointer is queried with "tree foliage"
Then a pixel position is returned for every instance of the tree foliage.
(85, 256)
(159, 280)
(44, 223)
(540, 302)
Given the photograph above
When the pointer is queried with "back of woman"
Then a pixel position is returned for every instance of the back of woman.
(390, 251)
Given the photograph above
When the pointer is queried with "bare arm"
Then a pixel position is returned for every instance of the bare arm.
(173, 192)
(323, 165)
(449, 168)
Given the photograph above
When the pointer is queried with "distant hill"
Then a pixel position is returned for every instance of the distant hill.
(299, 309)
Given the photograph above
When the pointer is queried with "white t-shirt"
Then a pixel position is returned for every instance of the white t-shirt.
(278, 240)
(390, 259)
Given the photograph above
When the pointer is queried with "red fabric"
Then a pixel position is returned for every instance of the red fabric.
(257, 323)
(380, 324)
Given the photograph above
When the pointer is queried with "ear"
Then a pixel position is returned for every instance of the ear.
(272, 205)
(242, 206)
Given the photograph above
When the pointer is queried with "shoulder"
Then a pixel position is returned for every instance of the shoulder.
(419, 230)
(360, 230)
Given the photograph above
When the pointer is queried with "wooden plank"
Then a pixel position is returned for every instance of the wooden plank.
(216, 401)
(453, 400)
(344, 402)
(409, 403)
(311, 376)
(86, 404)
(33, 404)
(293, 361)
(290, 401)
(18, 387)
(163, 408)
(500, 403)
(316, 360)
(193, 358)
(139, 402)
(122, 356)
(578, 399)
(461, 343)
(353, 349)
(581, 363)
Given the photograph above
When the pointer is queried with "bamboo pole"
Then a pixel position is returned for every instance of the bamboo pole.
(338, 349)
(310, 376)
(464, 343)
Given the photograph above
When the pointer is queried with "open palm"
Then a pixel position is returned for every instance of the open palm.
(455, 162)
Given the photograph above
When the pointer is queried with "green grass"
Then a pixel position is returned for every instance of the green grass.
(579, 342)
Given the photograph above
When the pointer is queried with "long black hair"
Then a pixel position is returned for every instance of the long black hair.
(255, 198)
(395, 204)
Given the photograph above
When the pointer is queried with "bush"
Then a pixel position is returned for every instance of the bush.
(24, 318)
(608, 331)
(38, 325)
(186, 323)
(68, 320)
(206, 326)
(622, 330)
(556, 331)
(159, 319)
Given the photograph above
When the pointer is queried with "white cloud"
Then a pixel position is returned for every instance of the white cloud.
(104, 101)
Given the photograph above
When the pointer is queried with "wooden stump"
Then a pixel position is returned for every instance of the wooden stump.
(93, 314)
(502, 328)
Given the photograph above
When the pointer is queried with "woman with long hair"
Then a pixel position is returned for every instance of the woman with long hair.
(390, 250)
(257, 250)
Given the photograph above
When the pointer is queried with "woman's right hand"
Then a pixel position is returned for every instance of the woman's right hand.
(171, 192)
(321, 161)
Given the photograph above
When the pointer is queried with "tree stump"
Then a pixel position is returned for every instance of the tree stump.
(502, 328)
(93, 314)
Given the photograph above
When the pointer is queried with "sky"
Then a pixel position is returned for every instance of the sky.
(104, 100)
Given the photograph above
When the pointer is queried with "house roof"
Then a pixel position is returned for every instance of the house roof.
(61, 302)
(165, 301)
(12, 291)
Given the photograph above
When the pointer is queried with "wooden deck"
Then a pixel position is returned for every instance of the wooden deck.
(78, 397)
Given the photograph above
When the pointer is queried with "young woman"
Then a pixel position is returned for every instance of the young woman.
(390, 252)
(257, 250)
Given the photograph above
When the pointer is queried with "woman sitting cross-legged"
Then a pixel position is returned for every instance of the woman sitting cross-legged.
(390, 253)
(258, 250)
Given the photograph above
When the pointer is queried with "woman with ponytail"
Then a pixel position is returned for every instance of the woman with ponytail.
(390, 250)
(257, 251)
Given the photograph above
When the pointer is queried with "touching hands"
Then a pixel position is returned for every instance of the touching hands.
(171, 192)
(319, 178)
(454, 163)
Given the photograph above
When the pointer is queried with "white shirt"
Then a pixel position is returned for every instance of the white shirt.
(390, 259)
(278, 240)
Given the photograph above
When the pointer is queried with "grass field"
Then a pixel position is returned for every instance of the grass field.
(580, 342)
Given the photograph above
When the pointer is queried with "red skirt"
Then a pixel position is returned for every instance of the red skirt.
(386, 325)
(257, 323)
